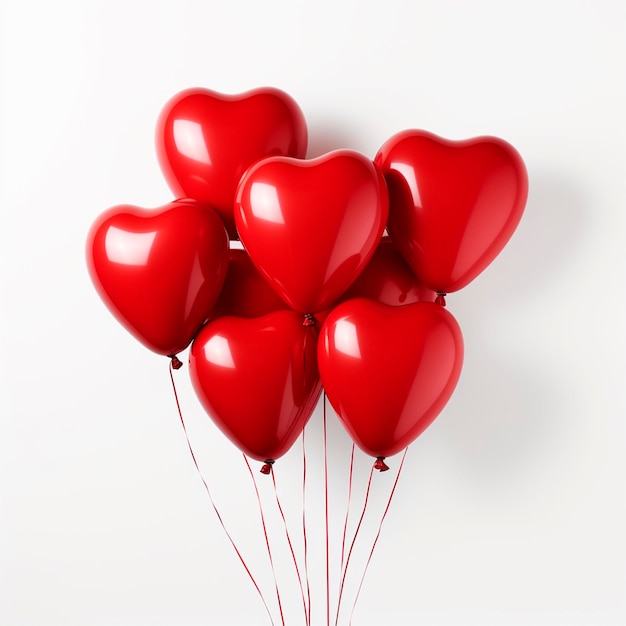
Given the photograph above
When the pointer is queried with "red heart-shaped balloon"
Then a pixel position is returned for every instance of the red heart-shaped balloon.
(311, 226)
(453, 204)
(159, 271)
(257, 379)
(206, 140)
(245, 292)
(388, 279)
(388, 371)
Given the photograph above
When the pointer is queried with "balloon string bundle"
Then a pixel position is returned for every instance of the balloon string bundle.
(352, 544)
(345, 559)
(370, 246)
(345, 524)
(343, 569)
(305, 543)
(172, 366)
(267, 540)
(380, 527)
(307, 609)
(326, 513)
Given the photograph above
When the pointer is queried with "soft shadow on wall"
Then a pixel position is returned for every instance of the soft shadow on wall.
(515, 399)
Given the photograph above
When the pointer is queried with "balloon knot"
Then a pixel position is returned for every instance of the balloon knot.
(380, 464)
(441, 298)
(176, 362)
(309, 320)
(267, 466)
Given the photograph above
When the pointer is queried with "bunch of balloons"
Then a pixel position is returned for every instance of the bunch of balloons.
(338, 283)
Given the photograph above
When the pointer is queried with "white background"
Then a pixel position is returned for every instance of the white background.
(511, 507)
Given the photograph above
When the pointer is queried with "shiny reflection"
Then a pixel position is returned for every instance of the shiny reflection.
(196, 278)
(190, 142)
(264, 203)
(355, 233)
(346, 339)
(410, 177)
(217, 351)
(128, 248)
(289, 403)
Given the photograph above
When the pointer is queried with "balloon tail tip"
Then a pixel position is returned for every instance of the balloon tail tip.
(309, 320)
(176, 362)
(441, 298)
(267, 466)
(380, 464)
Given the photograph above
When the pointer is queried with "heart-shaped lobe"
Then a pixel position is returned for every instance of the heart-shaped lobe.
(311, 226)
(257, 379)
(453, 204)
(206, 140)
(388, 371)
(159, 271)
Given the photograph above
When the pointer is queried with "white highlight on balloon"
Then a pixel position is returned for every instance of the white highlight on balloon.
(346, 339)
(189, 139)
(128, 248)
(264, 203)
(217, 351)
(410, 176)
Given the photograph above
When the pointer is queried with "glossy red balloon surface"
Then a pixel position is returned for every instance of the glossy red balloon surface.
(388, 279)
(206, 140)
(245, 292)
(310, 227)
(453, 204)
(159, 271)
(388, 371)
(257, 379)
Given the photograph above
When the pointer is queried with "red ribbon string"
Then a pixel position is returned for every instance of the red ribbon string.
(304, 537)
(326, 506)
(345, 525)
(267, 541)
(345, 560)
(380, 526)
(356, 533)
(293, 554)
(172, 366)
